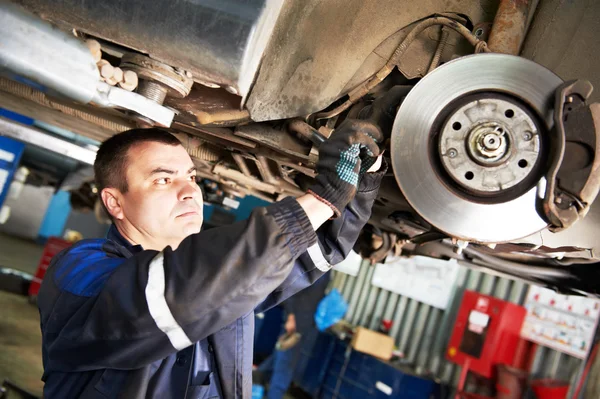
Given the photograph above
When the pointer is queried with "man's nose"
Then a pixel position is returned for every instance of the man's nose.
(188, 190)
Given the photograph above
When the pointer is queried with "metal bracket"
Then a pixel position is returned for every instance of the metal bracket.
(573, 179)
(32, 51)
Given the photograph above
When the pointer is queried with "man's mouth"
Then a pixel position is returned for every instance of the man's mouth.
(188, 214)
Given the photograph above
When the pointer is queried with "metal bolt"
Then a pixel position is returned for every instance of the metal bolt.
(153, 91)
(231, 89)
(460, 246)
(527, 136)
(478, 32)
(492, 142)
(452, 153)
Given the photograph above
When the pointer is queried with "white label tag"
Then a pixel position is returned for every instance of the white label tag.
(478, 318)
(231, 203)
(386, 389)
(6, 156)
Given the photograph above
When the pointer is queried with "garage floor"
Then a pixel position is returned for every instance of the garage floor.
(19, 254)
(20, 337)
(20, 343)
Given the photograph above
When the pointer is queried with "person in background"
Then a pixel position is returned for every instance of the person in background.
(299, 315)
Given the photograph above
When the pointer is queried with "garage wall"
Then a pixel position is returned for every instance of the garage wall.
(86, 224)
(27, 211)
(422, 332)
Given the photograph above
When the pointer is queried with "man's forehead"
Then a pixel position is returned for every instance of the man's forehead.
(151, 155)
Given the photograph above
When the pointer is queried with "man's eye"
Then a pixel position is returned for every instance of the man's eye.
(192, 178)
(163, 181)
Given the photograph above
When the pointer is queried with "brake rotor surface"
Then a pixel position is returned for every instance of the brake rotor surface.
(467, 146)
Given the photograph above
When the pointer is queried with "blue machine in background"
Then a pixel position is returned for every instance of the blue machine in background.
(267, 328)
(10, 156)
(331, 369)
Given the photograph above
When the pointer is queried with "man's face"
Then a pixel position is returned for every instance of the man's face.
(163, 201)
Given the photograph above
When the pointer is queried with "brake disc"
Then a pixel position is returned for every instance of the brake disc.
(470, 146)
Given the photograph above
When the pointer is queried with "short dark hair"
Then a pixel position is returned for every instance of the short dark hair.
(111, 160)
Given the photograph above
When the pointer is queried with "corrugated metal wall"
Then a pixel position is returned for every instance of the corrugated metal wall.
(422, 332)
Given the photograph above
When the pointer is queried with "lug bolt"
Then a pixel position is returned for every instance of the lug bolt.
(527, 136)
(452, 153)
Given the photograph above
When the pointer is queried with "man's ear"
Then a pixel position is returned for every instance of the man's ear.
(112, 201)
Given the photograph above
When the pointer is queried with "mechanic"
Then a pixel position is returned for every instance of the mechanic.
(162, 310)
(299, 310)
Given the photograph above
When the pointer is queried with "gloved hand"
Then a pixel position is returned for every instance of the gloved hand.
(350, 151)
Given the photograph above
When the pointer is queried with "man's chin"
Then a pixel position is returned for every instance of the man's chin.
(192, 227)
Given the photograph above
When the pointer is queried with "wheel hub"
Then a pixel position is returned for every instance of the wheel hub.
(489, 145)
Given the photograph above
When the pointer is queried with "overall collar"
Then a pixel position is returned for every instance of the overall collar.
(114, 235)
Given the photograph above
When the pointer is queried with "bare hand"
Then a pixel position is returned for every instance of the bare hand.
(290, 324)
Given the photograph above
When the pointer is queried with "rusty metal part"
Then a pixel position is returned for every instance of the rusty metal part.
(389, 241)
(299, 167)
(222, 118)
(152, 90)
(267, 174)
(428, 236)
(53, 117)
(240, 160)
(217, 135)
(514, 268)
(437, 56)
(265, 168)
(383, 110)
(417, 58)
(205, 153)
(277, 140)
(224, 138)
(157, 81)
(209, 107)
(254, 183)
(239, 177)
(199, 149)
(177, 83)
(205, 172)
(369, 84)
(257, 173)
(510, 26)
(573, 179)
(482, 31)
(306, 131)
(262, 163)
(106, 121)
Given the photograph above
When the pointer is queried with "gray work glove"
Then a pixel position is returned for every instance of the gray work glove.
(350, 151)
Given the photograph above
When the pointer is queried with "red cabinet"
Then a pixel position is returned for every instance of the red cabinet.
(53, 246)
(486, 333)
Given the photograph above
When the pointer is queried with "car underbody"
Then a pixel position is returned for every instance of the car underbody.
(492, 130)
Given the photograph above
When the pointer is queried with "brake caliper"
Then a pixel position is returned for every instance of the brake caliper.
(573, 179)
